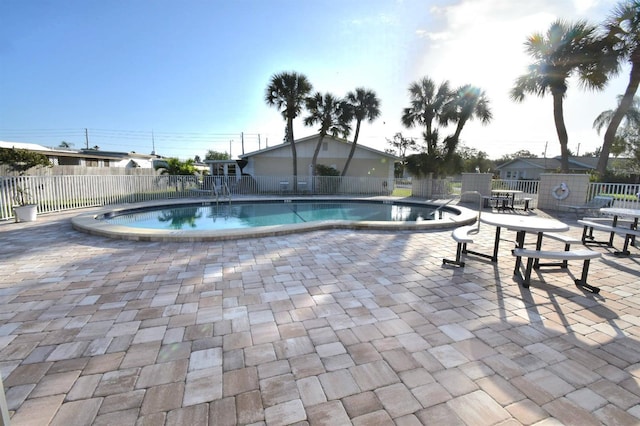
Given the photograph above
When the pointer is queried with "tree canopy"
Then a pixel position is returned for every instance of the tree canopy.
(288, 91)
(215, 155)
(21, 160)
(333, 116)
(361, 104)
(564, 50)
(175, 167)
(622, 39)
(435, 107)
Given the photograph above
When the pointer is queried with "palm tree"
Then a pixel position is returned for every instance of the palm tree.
(470, 102)
(288, 91)
(631, 125)
(180, 169)
(363, 105)
(622, 28)
(565, 49)
(332, 115)
(428, 104)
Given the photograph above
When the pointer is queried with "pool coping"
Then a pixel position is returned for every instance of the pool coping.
(86, 222)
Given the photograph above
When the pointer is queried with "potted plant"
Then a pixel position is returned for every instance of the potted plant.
(20, 161)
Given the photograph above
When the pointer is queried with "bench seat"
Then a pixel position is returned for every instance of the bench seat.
(607, 220)
(582, 254)
(608, 228)
(628, 234)
(563, 238)
(462, 235)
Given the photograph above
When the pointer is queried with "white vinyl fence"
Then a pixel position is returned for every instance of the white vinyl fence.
(624, 195)
(57, 193)
(529, 189)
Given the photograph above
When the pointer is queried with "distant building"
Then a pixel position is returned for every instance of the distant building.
(89, 157)
(276, 160)
(531, 168)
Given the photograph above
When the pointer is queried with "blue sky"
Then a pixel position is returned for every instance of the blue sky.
(194, 72)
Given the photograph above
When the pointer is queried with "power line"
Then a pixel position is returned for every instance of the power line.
(186, 143)
(114, 134)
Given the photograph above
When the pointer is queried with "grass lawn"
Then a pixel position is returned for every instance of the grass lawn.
(401, 192)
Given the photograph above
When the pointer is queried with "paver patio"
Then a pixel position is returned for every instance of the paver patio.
(327, 327)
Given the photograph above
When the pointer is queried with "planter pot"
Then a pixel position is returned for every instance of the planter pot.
(26, 213)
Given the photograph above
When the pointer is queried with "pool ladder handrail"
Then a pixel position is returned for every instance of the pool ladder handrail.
(480, 200)
(224, 192)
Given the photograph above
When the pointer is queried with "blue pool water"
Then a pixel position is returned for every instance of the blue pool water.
(239, 215)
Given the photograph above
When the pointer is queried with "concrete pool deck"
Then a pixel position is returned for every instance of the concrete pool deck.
(363, 327)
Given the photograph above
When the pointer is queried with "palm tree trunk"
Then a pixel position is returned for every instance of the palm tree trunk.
(621, 111)
(316, 152)
(561, 130)
(452, 141)
(294, 154)
(353, 149)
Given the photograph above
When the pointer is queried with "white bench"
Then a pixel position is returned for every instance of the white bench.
(628, 234)
(584, 255)
(461, 236)
(564, 238)
(606, 220)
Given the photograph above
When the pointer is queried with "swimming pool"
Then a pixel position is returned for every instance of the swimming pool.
(253, 214)
(208, 220)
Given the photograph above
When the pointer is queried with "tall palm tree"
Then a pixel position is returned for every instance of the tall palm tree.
(565, 49)
(623, 29)
(631, 125)
(428, 108)
(363, 105)
(288, 91)
(470, 102)
(332, 115)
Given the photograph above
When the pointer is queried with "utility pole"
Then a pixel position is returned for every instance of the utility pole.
(153, 143)
(242, 141)
(259, 147)
(578, 151)
(86, 136)
(230, 156)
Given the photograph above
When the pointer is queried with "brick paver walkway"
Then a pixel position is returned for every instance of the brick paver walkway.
(328, 327)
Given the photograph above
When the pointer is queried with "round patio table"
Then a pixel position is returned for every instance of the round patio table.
(521, 224)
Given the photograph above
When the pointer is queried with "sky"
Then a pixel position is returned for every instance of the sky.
(185, 77)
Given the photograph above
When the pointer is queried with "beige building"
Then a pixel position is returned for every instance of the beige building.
(532, 168)
(276, 160)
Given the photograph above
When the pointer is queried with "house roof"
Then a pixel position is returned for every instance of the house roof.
(575, 163)
(66, 152)
(308, 138)
(24, 145)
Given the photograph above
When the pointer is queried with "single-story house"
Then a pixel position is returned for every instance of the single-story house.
(531, 168)
(88, 157)
(334, 152)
